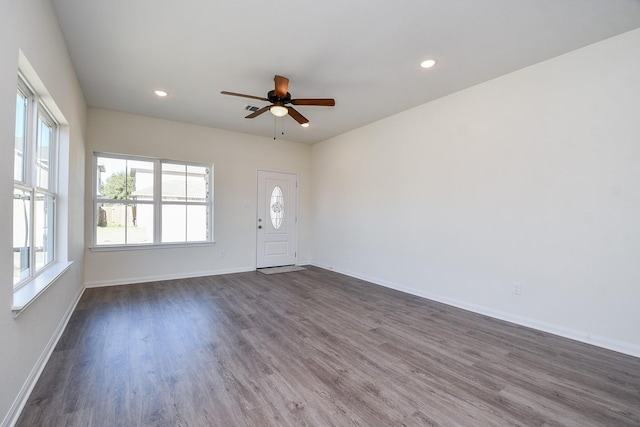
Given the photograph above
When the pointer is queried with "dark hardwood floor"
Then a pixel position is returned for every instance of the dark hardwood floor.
(316, 348)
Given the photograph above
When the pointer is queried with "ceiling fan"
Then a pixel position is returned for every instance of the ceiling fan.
(279, 98)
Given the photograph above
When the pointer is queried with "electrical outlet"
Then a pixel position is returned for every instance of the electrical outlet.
(517, 288)
(222, 254)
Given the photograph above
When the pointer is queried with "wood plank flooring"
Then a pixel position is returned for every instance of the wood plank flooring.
(316, 348)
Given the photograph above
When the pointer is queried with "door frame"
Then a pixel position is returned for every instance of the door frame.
(257, 212)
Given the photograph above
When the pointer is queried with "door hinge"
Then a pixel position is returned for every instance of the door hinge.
(295, 254)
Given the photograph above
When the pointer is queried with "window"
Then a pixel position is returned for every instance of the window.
(143, 201)
(185, 210)
(34, 190)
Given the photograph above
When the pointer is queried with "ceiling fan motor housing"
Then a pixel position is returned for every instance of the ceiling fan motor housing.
(275, 99)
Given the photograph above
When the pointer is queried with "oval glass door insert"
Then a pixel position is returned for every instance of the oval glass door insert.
(277, 207)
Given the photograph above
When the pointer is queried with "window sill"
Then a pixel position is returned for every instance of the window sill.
(34, 288)
(107, 248)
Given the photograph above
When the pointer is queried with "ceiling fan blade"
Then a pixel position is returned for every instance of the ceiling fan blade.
(297, 116)
(224, 92)
(282, 86)
(323, 102)
(258, 112)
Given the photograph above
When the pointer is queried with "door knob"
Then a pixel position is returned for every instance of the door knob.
(259, 226)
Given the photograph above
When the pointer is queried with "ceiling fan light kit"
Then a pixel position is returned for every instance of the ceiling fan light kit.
(279, 97)
(279, 110)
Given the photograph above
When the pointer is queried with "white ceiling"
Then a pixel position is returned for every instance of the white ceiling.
(363, 53)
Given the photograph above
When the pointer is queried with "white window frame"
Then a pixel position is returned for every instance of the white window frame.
(157, 203)
(36, 111)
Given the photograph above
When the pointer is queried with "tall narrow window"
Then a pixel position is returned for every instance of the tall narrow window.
(34, 193)
(22, 102)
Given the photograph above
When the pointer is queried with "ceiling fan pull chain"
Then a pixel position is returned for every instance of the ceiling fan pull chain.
(274, 128)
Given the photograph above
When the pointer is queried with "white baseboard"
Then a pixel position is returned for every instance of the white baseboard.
(146, 279)
(21, 400)
(576, 335)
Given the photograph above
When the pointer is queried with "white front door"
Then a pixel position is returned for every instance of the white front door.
(277, 228)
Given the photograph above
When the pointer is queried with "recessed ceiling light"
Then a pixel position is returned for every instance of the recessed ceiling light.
(305, 125)
(161, 93)
(428, 63)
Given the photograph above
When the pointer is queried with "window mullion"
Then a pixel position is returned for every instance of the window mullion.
(32, 234)
(209, 202)
(186, 210)
(125, 201)
(157, 201)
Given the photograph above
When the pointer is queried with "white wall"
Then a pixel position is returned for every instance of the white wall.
(30, 26)
(236, 158)
(533, 178)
